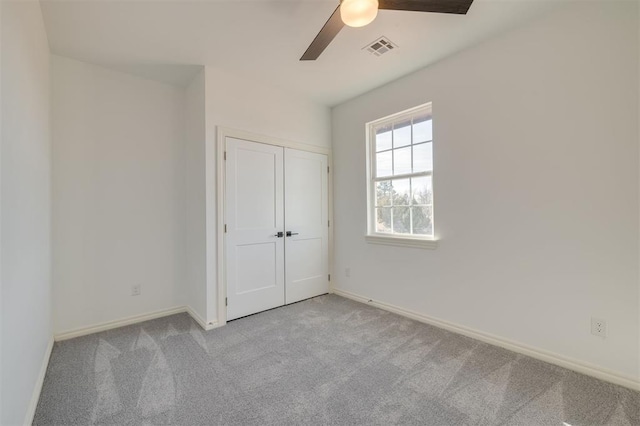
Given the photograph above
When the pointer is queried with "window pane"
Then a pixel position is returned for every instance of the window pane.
(383, 219)
(422, 158)
(401, 192)
(383, 164)
(422, 129)
(402, 134)
(384, 190)
(422, 220)
(402, 161)
(422, 190)
(401, 220)
(383, 138)
(401, 156)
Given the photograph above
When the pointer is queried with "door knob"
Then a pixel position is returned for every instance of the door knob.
(289, 233)
(279, 234)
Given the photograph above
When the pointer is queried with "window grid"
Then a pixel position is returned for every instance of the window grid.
(410, 206)
(403, 120)
(393, 149)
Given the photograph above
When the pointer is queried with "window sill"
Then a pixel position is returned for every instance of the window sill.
(402, 241)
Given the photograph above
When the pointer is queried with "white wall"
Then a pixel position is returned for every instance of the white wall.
(238, 103)
(118, 194)
(1, 316)
(26, 207)
(536, 188)
(196, 270)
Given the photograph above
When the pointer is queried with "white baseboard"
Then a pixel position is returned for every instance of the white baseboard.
(541, 354)
(197, 318)
(109, 325)
(35, 396)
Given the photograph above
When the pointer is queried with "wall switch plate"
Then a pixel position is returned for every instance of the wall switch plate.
(135, 290)
(599, 327)
(347, 272)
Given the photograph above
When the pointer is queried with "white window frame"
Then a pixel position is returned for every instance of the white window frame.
(373, 237)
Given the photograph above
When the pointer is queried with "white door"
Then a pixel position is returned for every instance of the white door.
(276, 226)
(254, 216)
(307, 225)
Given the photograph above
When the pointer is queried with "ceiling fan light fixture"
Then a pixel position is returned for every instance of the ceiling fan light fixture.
(358, 13)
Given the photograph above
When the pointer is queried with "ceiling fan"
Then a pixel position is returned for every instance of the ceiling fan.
(358, 13)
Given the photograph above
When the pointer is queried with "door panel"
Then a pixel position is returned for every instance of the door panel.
(256, 188)
(306, 214)
(262, 274)
(253, 216)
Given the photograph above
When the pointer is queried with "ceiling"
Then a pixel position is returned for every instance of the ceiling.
(263, 40)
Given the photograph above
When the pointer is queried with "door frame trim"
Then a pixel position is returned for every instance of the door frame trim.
(215, 218)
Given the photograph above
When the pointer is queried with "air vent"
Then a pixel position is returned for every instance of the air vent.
(380, 46)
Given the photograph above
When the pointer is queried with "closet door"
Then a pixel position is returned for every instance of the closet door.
(307, 225)
(254, 217)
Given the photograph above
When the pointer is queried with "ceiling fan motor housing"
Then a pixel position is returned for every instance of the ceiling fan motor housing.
(358, 13)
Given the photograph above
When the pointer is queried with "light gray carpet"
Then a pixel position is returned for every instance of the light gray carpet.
(326, 360)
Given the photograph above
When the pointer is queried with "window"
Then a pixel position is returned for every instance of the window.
(400, 179)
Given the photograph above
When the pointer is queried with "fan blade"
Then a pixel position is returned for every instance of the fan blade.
(331, 28)
(439, 6)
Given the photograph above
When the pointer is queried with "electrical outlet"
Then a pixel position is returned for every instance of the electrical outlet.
(599, 327)
(135, 290)
(347, 272)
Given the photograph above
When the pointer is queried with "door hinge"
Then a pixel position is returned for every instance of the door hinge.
(226, 301)
(329, 277)
(327, 169)
(225, 155)
(225, 228)
(328, 224)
